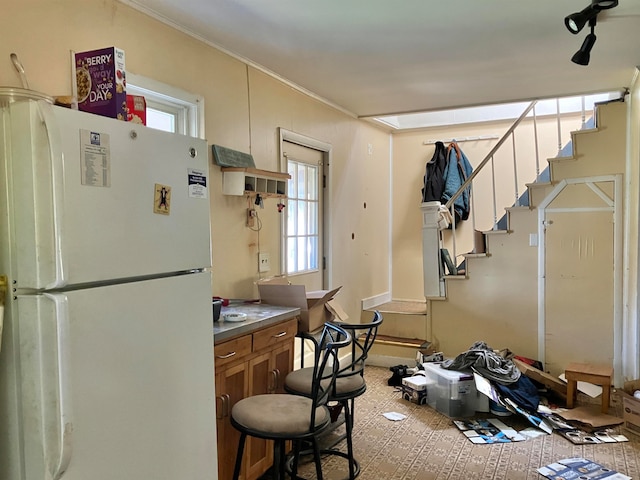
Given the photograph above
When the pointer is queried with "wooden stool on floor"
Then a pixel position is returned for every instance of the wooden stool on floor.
(598, 375)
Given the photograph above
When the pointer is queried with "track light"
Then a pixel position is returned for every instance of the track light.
(582, 56)
(576, 21)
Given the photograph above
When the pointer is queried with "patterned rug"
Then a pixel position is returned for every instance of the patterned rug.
(428, 446)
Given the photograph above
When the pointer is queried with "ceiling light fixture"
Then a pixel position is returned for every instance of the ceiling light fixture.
(582, 56)
(576, 22)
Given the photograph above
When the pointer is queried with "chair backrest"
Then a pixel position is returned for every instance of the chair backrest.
(327, 365)
(363, 334)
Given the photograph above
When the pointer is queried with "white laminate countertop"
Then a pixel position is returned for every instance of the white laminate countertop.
(258, 316)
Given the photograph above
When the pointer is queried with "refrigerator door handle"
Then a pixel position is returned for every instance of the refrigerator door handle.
(65, 427)
(57, 200)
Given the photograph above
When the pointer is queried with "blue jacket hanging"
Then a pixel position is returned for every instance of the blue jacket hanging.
(456, 173)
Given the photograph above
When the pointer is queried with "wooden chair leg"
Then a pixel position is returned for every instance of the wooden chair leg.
(236, 469)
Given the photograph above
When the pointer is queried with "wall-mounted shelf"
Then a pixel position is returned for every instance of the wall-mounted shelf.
(252, 181)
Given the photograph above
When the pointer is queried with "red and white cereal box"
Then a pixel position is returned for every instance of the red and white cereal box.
(101, 82)
(136, 109)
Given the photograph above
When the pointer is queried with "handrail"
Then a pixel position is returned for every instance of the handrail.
(486, 159)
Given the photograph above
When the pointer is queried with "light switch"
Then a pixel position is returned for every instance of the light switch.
(533, 239)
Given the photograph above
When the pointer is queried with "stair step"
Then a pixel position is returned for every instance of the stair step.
(399, 341)
(407, 307)
(476, 255)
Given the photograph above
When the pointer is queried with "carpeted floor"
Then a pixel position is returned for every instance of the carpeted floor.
(427, 446)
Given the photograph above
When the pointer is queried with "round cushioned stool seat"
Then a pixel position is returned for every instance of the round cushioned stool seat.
(277, 414)
(299, 381)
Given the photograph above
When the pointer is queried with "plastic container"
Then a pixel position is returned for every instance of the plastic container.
(455, 393)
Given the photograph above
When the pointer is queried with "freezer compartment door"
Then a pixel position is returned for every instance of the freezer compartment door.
(118, 382)
(93, 198)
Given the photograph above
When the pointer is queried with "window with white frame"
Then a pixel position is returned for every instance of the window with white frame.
(302, 217)
(169, 108)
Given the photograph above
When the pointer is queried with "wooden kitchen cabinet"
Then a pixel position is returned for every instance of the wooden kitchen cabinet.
(252, 364)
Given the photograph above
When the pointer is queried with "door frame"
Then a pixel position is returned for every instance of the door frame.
(623, 345)
(326, 149)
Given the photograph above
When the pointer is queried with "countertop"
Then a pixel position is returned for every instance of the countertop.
(258, 316)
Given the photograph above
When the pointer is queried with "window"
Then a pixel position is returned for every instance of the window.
(303, 232)
(169, 108)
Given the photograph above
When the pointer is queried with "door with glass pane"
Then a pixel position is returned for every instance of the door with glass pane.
(304, 232)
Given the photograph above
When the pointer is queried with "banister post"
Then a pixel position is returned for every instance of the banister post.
(431, 248)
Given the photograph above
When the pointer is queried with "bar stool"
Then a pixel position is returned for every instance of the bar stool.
(597, 374)
(282, 417)
(349, 383)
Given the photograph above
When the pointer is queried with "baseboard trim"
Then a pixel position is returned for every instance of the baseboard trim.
(372, 302)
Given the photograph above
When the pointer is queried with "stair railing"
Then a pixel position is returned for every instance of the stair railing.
(531, 108)
(489, 155)
(478, 169)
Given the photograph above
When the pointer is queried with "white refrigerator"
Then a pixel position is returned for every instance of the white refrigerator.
(106, 366)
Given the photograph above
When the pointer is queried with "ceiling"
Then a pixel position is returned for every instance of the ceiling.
(374, 57)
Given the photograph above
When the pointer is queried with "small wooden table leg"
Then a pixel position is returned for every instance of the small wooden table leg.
(606, 397)
(571, 392)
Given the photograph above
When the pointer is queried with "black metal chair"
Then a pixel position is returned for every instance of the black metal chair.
(282, 417)
(349, 383)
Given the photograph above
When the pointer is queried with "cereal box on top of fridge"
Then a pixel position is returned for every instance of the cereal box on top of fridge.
(136, 109)
(101, 82)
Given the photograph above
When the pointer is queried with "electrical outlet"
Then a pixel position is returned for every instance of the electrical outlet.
(264, 263)
(251, 217)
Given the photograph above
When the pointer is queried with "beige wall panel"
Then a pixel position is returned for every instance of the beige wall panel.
(157, 51)
(360, 264)
(579, 289)
(409, 160)
(498, 302)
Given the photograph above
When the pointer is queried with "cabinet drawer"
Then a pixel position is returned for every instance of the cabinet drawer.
(275, 334)
(232, 350)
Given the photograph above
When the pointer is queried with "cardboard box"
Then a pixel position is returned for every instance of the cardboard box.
(312, 305)
(101, 83)
(631, 406)
(136, 109)
(416, 389)
(544, 378)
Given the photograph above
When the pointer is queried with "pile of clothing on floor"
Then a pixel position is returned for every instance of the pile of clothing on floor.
(501, 371)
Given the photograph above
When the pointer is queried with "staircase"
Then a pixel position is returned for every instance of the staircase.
(404, 329)
(497, 297)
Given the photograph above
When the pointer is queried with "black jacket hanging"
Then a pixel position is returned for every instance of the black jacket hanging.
(434, 176)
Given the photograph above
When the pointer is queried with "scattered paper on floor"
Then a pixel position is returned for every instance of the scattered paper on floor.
(395, 416)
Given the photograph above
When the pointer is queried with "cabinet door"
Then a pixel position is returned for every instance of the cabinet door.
(259, 452)
(232, 385)
(282, 361)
